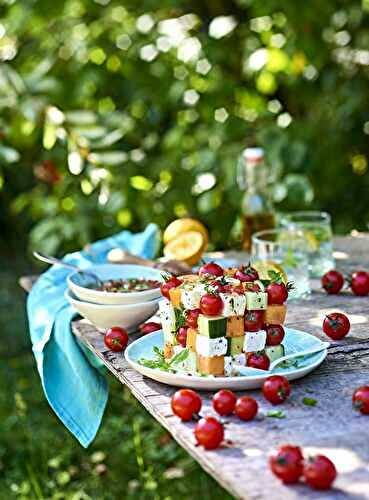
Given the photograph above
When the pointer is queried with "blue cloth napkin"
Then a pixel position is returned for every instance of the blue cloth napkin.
(75, 389)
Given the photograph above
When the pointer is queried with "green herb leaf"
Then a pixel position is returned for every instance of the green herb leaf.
(309, 401)
(275, 414)
(180, 357)
(180, 318)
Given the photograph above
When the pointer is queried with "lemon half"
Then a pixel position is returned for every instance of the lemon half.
(181, 226)
(188, 247)
(264, 266)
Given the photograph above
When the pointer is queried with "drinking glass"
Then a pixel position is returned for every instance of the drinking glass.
(316, 227)
(285, 248)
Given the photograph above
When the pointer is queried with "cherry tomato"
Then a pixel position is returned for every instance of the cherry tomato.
(149, 327)
(275, 334)
(320, 472)
(287, 463)
(223, 402)
(116, 338)
(246, 408)
(332, 281)
(360, 399)
(211, 268)
(258, 360)
(220, 287)
(185, 404)
(181, 335)
(209, 432)
(211, 304)
(276, 389)
(192, 317)
(359, 283)
(246, 273)
(277, 293)
(168, 284)
(254, 321)
(251, 286)
(336, 326)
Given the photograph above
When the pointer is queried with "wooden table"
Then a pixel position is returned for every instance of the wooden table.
(331, 427)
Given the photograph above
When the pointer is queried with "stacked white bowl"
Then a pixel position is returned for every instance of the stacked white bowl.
(106, 309)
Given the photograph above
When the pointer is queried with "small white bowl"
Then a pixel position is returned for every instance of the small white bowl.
(116, 271)
(105, 316)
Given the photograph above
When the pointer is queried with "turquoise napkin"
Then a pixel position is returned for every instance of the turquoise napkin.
(74, 387)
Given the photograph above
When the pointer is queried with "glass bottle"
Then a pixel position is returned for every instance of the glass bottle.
(257, 211)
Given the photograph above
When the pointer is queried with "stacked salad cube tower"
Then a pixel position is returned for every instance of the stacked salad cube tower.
(223, 318)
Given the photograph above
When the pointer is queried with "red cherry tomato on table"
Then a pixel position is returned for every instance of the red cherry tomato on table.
(359, 283)
(211, 304)
(246, 273)
(116, 338)
(258, 360)
(192, 316)
(360, 399)
(277, 293)
(254, 321)
(287, 463)
(336, 326)
(275, 334)
(332, 282)
(276, 389)
(181, 336)
(168, 284)
(149, 327)
(185, 404)
(224, 402)
(320, 472)
(211, 268)
(209, 433)
(246, 408)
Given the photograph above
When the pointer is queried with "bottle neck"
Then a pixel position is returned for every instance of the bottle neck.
(256, 176)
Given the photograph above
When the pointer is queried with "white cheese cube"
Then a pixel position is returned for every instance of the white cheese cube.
(168, 320)
(190, 298)
(233, 304)
(240, 359)
(228, 366)
(254, 341)
(211, 347)
(256, 300)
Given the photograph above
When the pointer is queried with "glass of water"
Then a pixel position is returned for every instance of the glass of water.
(286, 249)
(317, 229)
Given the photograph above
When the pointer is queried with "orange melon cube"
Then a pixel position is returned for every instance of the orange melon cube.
(168, 351)
(191, 339)
(213, 365)
(275, 314)
(235, 326)
(175, 297)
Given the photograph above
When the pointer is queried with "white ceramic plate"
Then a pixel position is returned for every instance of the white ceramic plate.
(104, 316)
(294, 341)
(116, 271)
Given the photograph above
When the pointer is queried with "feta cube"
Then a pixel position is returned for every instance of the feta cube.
(233, 304)
(240, 359)
(228, 366)
(254, 341)
(168, 320)
(211, 347)
(190, 298)
(256, 300)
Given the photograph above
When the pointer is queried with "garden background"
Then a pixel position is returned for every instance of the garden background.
(115, 114)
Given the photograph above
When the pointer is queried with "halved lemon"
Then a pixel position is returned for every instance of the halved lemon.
(181, 226)
(188, 247)
(264, 266)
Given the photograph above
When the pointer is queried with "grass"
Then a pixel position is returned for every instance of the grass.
(131, 458)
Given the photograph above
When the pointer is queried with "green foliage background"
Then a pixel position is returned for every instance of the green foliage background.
(111, 114)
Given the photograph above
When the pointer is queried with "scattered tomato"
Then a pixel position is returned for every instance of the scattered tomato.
(275, 334)
(320, 472)
(211, 304)
(185, 404)
(277, 293)
(223, 402)
(254, 321)
(209, 432)
(192, 317)
(116, 338)
(258, 360)
(246, 408)
(211, 268)
(149, 327)
(276, 389)
(332, 282)
(336, 325)
(287, 463)
(360, 399)
(359, 283)
(172, 282)
(181, 335)
(246, 273)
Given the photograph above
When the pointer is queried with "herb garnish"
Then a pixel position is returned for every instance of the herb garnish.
(275, 414)
(161, 363)
(309, 401)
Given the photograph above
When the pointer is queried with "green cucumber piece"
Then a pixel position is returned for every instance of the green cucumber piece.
(274, 352)
(212, 327)
(235, 345)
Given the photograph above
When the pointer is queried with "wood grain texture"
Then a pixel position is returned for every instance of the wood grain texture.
(331, 427)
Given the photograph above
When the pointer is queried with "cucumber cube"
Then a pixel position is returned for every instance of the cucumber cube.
(256, 300)
(212, 327)
(274, 352)
(235, 345)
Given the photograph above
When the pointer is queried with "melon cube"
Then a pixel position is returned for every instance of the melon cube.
(191, 339)
(235, 326)
(210, 365)
(275, 314)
